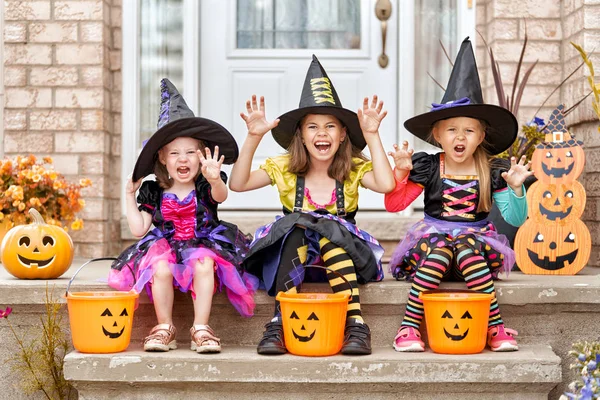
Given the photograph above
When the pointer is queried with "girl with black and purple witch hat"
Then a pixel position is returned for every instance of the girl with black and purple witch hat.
(189, 248)
(460, 184)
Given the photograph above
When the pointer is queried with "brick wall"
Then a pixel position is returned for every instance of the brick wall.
(63, 99)
(503, 24)
(582, 26)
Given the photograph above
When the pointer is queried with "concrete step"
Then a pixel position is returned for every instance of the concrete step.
(240, 373)
(546, 310)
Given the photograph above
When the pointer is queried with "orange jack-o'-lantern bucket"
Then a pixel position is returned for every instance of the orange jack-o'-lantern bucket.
(100, 321)
(313, 323)
(457, 320)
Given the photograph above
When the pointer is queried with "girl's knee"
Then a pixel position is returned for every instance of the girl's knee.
(205, 266)
(162, 271)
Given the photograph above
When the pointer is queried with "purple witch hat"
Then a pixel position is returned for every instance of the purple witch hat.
(177, 120)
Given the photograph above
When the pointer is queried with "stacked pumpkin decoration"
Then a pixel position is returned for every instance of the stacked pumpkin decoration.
(37, 250)
(554, 240)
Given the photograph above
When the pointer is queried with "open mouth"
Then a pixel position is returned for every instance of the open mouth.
(183, 172)
(322, 146)
(111, 334)
(456, 338)
(27, 263)
(560, 262)
(554, 215)
(304, 338)
(459, 149)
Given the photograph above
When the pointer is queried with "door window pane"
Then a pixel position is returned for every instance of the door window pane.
(161, 56)
(435, 21)
(298, 24)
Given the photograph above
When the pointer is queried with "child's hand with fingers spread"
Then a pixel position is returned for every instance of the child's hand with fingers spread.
(211, 164)
(517, 174)
(370, 117)
(255, 120)
(402, 157)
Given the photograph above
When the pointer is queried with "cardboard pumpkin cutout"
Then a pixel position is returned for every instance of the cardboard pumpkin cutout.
(552, 249)
(561, 203)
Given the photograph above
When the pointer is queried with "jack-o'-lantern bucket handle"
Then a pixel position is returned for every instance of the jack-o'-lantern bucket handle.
(83, 265)
(323, 268)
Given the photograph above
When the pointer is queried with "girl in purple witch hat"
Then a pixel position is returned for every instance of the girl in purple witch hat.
(459, 184)
(189, 248)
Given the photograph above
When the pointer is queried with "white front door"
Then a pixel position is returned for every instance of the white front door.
(264, 47)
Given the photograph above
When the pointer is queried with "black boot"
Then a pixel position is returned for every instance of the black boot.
(357, 338)
(272, 341)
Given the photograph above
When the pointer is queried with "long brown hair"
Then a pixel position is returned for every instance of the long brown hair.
(341, 165)
(481, 157)
(160, 170)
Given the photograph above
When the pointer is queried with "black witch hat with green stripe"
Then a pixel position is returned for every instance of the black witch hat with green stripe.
(318, 97)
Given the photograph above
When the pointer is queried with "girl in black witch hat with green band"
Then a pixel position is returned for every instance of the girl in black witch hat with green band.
(318, 183)
(459, 184)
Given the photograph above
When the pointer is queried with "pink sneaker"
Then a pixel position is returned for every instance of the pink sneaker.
(500, 338)
(408, 339)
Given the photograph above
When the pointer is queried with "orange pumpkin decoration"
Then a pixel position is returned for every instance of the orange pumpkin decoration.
(558, 162)
(37, 250)
(552, 249)
(561, 203)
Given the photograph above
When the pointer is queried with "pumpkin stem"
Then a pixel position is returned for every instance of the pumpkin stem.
(37, 217)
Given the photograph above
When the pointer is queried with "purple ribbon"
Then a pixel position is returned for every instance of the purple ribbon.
(465, 101)
(214, 234)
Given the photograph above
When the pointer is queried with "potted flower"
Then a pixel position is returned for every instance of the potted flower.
(28, 183)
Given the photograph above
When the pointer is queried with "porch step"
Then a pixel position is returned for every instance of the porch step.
(240, 373)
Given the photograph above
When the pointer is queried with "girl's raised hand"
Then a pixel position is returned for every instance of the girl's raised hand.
(517, 173)
(132, 186)
(211, 164)
(255, 120)
(370, 117)
(402, 157)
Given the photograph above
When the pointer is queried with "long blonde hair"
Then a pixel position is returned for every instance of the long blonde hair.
(342, 160)
(162, 175)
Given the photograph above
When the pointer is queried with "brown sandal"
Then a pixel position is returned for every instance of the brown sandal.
(201, 336)
(161, 338)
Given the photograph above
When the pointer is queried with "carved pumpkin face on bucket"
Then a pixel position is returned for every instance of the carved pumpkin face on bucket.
(114, 332)
(452, 329)
(304, 331)
(37, 250)
(552, 249)
(560, 203)
(558, 162)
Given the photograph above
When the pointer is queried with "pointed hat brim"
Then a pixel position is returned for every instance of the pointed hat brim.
(501, 135)
(210, 132)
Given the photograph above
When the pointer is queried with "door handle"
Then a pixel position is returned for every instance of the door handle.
(383, 11)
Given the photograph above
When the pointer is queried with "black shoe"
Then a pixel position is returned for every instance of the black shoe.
(272, 341)
(357, 338)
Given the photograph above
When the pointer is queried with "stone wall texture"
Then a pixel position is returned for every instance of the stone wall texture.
(62, 80)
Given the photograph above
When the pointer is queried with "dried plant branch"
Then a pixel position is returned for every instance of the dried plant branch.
(522, 86)
(558, 87)
(436, 82)
(446, 53)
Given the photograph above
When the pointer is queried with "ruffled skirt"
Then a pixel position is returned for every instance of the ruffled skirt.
(265, 251)
(135, 267)
(480, 236)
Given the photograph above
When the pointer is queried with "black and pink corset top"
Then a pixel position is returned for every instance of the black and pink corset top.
(182, 213)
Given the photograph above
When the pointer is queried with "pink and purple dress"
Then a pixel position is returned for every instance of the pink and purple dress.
(184, 231)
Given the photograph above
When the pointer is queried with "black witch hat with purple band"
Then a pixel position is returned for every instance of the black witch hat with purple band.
(318, 97)
(463, 98)
(177, 120)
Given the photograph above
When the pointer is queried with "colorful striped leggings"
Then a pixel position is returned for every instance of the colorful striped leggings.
(471, 267)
